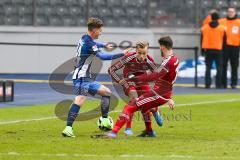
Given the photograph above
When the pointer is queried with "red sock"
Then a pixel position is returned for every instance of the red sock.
(147, 120)
(129, 123)
(124, 117)
(118, 125)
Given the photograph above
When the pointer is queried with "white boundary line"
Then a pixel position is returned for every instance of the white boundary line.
(117, 111)
(126, 156)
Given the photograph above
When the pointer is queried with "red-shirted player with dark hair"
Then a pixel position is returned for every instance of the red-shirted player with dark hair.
(134, 64)
(163, 77)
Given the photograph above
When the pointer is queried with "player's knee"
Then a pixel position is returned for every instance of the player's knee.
(125, 115)
(79, 100)
(104, 91)
(108, 92)
(129, 109)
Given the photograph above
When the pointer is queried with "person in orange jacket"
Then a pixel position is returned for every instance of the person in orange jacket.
(231, 52)
(213, 41)
(208, 19)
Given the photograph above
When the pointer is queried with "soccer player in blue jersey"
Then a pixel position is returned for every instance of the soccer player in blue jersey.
(83, 80)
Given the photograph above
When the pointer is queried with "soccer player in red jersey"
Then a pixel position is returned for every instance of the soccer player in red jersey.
(163, 77)
(134, 64)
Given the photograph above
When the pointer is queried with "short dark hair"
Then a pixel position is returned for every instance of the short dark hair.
(166, 41)
(215, 16)
(94, 23)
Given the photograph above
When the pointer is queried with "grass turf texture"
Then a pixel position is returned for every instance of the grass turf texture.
(200, 131)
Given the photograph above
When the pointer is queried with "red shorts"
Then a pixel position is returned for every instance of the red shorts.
(140, 89)
(150, 100)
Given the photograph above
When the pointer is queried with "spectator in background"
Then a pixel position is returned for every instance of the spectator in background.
(231, 52)
(208, 19)
(213, 40)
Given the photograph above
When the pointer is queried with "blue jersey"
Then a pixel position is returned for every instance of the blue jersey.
(87, 50)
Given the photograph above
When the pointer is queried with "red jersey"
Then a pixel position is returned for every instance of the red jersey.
(131, 66)
(164, 77)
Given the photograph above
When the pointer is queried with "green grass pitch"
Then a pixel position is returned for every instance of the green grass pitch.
(203, 126)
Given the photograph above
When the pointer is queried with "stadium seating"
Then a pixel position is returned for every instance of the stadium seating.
(10, 9)
(26, 20)
(62, 10)
(28, 2)
(24, 9)
(123, 22)
(41, 20)
(57, 2)
(42, 2)
(110, 21)
(1, 20)
(80, 21)
(74, 11)
(223, 13)
(99, 3)
(124, 13)
(104, 12)
(206, 4)
(235, 3)
(68, 20)
(190, 3)
(11, 19)
(114, 3)
(72, 2)
(221, 3)
(93, 12)
(138, 22)
(82, 2)
(55, 20)
(118, 12)
(19, 2)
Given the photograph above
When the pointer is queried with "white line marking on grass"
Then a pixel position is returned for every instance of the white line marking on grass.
(28, 120)
(209, 102)
(117, 111)
(127, 156)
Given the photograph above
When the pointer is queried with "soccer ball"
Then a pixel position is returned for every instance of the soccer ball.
(108, 126)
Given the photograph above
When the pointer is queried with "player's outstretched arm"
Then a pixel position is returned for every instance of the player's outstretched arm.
(148, 77)
(118, 65)
(100, 44)
(109, 56)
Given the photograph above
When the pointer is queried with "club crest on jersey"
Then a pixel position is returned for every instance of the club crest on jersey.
(95, 48)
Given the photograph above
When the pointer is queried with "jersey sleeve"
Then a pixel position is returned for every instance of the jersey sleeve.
(108, 56)
(79, 47)
(93, 48)
(172, 64)
(118, 65)
(100, 44)
(157, 73)
(153, 76)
